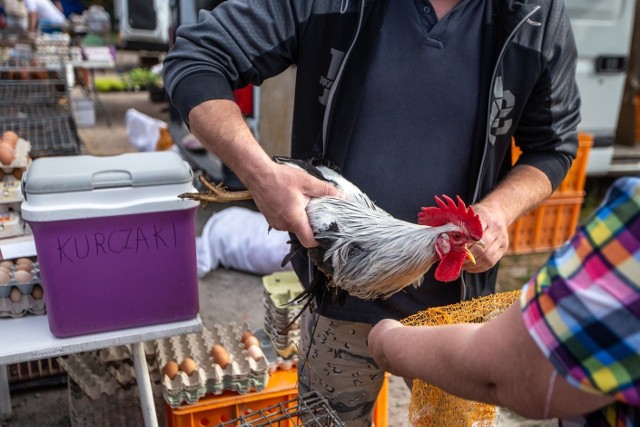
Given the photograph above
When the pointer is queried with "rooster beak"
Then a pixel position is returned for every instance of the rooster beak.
(470, 256)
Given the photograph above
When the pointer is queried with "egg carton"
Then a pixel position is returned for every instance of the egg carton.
(11, 225)
(281, 320)
(98, 379)
(25, 287)
(21, 161)
(243, 373)
(11, 191)
(122, 353)
(26, 305)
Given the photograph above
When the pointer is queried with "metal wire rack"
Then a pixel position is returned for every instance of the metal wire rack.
(309, 410)
(50, 136)
(29, 112)
(30, 92)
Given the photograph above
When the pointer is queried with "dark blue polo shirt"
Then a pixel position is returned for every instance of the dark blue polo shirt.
(413, 135)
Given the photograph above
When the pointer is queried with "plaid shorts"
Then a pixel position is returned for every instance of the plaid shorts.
(336, 363)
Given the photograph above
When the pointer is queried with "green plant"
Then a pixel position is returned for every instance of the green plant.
(141, 78)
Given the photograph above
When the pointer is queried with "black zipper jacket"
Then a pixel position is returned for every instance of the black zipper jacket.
(527, 75)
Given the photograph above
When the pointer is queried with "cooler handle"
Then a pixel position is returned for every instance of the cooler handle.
(111, 179)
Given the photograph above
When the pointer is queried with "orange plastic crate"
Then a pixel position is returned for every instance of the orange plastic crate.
(214, 410)
(554, 221)
(547, 227)
(573, 184)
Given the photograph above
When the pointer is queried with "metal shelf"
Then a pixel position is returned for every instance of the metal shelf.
(52, 136)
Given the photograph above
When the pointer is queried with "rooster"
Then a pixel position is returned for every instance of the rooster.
(365, 251)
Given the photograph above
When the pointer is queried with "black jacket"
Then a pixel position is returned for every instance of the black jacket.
(528, 77)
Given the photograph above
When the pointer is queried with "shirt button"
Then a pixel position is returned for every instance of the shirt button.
(426, 10)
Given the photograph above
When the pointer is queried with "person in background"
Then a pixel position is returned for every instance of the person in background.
(570, 347)
(409, 100)
(16, 15)
(69, 7)
(43, 14)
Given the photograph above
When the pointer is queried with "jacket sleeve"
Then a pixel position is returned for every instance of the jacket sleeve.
(238, 43)
(547, 132)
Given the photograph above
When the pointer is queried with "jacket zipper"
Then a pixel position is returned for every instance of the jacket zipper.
(327, 112)
(491, 98)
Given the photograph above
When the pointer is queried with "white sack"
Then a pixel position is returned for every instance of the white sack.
(143, 130)
(239, 238)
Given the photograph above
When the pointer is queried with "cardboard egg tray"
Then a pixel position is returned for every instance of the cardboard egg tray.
(243, 374)
(27, 303)
(279, 290)
(10, 191)
(11, 224)
(103, 388)
(103, 372)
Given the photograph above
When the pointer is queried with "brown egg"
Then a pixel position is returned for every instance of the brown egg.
(15, 295)
(22, 276)
(24, 261)
(170, 369)
(188, 366)
(7, 153)
(11, 138)
(17, 173)
(250, 341)
(6, 264)
(37, 292)
(220, 355)
(5, 269)
(4, 277)
(24, 267)
(246, 335)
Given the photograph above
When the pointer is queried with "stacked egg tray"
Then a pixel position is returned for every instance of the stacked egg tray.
(280, 320)
(103, 389)
(21, 290)
(13, 164)
(241, 373)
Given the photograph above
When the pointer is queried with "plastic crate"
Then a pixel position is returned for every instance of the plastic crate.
(573, 183)
(34, 370)
(553, 222)
(547, 227)
(280, 392)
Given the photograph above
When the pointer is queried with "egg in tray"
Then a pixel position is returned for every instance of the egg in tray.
(226, 357)
(14, 160)
(20, 288)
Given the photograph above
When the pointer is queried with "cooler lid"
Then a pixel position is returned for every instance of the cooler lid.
(86, 173)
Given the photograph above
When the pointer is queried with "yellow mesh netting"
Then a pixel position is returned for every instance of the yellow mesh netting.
(432, 407)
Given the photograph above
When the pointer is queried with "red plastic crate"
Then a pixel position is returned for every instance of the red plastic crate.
(282, 388)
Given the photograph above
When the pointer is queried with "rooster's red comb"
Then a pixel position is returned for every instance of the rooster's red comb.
(450, 212)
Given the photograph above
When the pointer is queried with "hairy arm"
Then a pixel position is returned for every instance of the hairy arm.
(279, 191)
(524, 188)
(497, 363)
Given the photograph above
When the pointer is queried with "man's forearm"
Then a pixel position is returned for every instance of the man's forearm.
(522, 189)
(219, 125)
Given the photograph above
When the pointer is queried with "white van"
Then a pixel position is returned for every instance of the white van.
(603, 30)
(143, 24)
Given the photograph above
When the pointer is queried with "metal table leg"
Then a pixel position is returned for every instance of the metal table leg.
(5, 397)
(144, 385)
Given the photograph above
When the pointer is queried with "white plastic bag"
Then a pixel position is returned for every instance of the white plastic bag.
(143, 130)
(240, 239)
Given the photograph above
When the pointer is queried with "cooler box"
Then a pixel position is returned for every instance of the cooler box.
(115, 244)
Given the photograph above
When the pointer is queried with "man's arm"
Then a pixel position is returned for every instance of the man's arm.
(523, 188)
(279, 191)
(497, 363)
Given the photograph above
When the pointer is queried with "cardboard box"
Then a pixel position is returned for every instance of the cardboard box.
(116, 246)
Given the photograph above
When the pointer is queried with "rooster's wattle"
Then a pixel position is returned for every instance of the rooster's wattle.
(365, 251)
